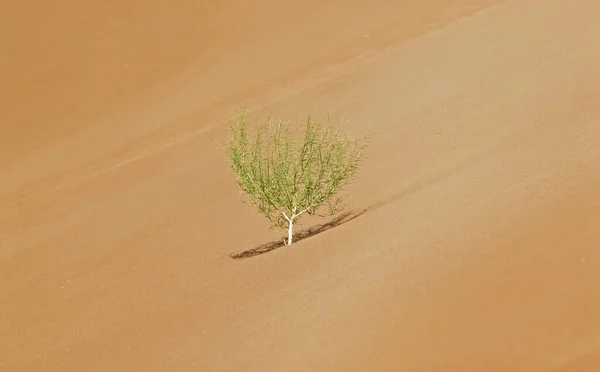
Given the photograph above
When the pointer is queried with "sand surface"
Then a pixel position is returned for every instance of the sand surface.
(476, 245)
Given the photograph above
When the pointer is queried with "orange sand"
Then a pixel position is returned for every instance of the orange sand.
(479, 246)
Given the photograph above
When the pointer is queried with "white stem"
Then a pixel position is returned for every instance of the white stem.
(290, 227)
(290, 221)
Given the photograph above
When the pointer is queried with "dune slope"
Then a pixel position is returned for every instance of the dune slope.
(477, 244)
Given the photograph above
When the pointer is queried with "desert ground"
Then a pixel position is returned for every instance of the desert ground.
(474, 242)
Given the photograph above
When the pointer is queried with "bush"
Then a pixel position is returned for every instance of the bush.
(286, 176)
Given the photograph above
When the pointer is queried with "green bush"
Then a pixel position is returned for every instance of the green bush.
(286, 175)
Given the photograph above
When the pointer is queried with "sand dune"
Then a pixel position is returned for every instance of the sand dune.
(476, 247)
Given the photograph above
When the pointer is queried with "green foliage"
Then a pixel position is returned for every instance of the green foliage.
(285, 175)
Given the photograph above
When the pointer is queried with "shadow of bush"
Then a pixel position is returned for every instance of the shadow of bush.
(303, 234)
